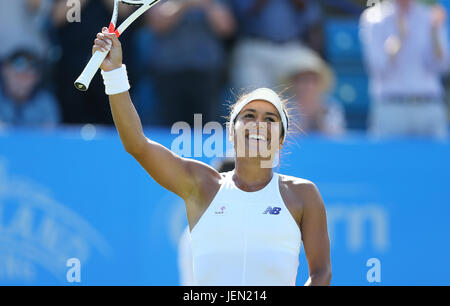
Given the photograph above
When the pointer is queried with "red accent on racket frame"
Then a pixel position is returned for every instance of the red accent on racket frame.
(112, 29)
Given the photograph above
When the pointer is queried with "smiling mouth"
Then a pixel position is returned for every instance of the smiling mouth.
(256, 137)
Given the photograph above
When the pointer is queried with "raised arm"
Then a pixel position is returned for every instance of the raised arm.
(219, 17)
(437, 54)
(379, 47)
(177, 174)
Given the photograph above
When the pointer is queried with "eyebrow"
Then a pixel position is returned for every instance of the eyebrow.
(267, 113)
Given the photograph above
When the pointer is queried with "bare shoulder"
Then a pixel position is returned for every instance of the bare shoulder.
(300, 191)
(301, 197)
(297, 185)
(203, 174)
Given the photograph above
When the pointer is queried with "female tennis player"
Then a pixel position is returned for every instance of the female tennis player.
(246, 225)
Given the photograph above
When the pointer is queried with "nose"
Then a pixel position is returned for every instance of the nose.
(263, 128)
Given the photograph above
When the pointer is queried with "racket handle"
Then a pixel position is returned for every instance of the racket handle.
(83, 81)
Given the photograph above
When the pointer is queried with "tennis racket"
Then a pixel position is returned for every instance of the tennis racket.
(83, 81)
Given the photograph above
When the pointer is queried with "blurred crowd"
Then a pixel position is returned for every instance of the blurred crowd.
(192, 56)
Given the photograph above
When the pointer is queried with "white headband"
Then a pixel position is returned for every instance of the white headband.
(264, 94)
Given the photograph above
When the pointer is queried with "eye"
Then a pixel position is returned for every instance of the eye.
(249, 115)
(270, 119)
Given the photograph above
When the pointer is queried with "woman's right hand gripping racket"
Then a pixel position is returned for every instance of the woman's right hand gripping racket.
(83, 81)
(109, 44)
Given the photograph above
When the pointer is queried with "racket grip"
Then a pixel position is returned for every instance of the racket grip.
(83, 81)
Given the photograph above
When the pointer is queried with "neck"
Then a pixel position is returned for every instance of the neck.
(249, 176)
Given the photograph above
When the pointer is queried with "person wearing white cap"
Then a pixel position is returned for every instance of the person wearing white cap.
(313, 109)
(246, 225)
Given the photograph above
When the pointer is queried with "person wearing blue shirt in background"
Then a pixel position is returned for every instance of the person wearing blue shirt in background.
(189, 56)
(406, 51)
(22, 101)
(269, 32)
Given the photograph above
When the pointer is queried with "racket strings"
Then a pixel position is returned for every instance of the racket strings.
(83, 81)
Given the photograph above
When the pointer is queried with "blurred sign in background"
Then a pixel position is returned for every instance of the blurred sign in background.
(64, 196)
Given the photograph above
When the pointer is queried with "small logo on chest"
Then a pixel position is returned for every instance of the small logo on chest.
(221, 211)
(272, 210)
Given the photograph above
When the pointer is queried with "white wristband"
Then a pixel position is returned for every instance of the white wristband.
(116, 81)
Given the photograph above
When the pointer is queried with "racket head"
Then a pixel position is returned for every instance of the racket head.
(83, 81)
(134, 2)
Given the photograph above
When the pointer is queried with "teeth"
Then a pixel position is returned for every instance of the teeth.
(257, 137)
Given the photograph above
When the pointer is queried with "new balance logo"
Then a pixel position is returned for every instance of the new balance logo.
(272, 211)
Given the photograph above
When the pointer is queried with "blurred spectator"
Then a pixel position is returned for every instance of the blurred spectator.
(314, 111)
(189, 56)
(22, 102)
(345, 8)
(406, 50)
(76, 40)
(271, 30)
(141, 74)
(23, 22)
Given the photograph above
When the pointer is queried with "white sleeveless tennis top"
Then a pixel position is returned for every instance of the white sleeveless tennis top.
(246, 239)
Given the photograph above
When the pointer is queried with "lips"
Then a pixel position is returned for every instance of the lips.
(256, 137)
